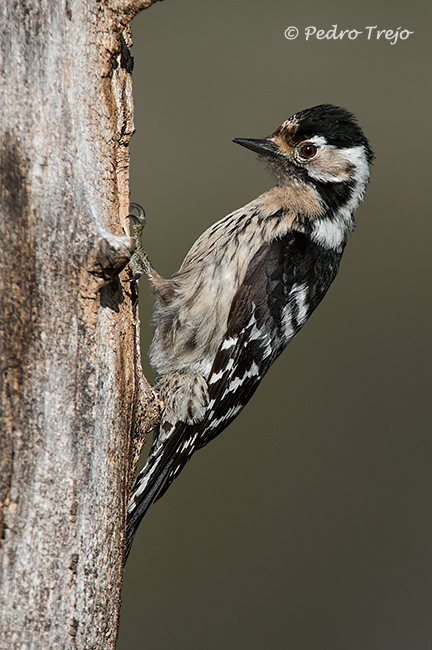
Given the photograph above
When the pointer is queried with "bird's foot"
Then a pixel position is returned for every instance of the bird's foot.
(139, 262)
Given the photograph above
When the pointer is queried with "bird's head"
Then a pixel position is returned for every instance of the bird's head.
(319, 145)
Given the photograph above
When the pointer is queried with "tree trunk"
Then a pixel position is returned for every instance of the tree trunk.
(74, 403)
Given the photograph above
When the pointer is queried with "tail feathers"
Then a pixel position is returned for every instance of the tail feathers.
(150, 480)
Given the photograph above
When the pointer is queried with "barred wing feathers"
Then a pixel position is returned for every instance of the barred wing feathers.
(284, 283)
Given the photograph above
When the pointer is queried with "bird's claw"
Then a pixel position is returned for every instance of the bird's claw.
(139, 221)
(139, 262)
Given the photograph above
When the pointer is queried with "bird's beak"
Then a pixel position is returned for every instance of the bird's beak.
(264, 147)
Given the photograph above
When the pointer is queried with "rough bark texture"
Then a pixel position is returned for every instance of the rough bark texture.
(74, 403)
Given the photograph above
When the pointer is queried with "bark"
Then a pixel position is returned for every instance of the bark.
(74, 404)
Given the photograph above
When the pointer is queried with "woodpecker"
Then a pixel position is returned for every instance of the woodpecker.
(246, 287)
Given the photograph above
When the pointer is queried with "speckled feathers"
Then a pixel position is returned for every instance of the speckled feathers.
(248, 285)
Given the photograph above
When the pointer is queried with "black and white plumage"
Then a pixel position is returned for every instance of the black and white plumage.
(247, 286)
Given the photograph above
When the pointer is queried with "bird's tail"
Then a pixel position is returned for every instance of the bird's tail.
(151, 478)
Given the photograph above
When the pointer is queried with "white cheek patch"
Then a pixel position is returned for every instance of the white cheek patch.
(317, 168)
(313, 166)
(349, 163)
(331, 232)
(357, 157)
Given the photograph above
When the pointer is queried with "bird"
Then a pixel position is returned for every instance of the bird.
(246, 287)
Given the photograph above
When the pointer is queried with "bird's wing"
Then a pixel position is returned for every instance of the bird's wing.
(274, 300)
(283, 284)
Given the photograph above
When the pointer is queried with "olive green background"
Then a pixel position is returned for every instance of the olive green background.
(307, 524)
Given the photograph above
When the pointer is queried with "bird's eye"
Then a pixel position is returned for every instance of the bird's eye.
(308, 150)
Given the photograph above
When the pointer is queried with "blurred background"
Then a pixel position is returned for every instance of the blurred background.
(307, 524)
